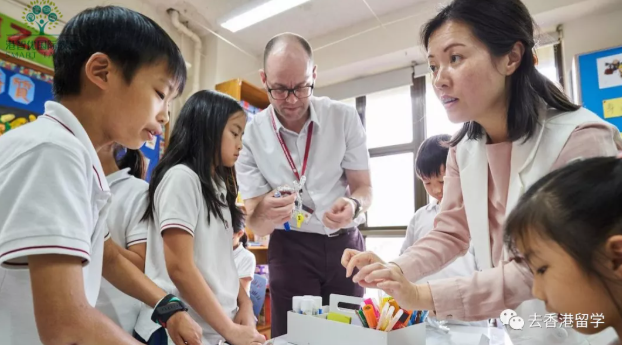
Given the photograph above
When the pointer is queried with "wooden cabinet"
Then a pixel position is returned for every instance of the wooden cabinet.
(244, 91)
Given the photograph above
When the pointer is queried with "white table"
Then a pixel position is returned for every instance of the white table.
(466, 335)
(459, 335)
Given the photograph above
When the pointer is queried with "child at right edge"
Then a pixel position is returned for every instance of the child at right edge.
(430, 168)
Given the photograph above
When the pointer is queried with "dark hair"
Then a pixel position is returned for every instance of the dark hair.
(244, 238)
(578, 207)
(132, 159)
(283, 37)
(130, 39)
(432, 155)
(500, 24)
(195, 142)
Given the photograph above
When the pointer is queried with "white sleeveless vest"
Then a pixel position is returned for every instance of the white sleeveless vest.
(530, 161)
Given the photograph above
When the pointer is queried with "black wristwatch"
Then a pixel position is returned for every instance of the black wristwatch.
(166, 308)
(357, 209)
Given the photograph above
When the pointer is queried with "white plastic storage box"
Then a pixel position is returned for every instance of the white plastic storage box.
(316, 330)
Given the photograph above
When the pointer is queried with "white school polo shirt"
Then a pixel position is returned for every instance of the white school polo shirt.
(54, 201)
(179, 204)
(338, 143)
(127, 206)
(244, 261)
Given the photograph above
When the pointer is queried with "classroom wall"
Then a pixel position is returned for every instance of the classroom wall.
(588, 34)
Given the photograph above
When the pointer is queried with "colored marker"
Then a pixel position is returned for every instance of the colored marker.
(413, 318)
(361, 316)
(394, 320)
(369, 301)
(368, 311)
(424, 314)
(403, 321)
(383, 316)
(396, 307)
(277, 194)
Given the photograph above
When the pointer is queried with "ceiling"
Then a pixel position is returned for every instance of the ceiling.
(351, 38)
(310, 20)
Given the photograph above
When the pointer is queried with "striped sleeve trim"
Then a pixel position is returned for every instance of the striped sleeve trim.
(42, 247)
(138, 241)
(177, 225)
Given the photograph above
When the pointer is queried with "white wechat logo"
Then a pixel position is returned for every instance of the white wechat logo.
(509, 318)
(517, 323)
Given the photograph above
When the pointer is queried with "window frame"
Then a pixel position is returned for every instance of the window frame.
(418, 111)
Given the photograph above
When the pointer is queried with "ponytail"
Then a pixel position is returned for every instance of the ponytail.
(244, 240)
(132, 159)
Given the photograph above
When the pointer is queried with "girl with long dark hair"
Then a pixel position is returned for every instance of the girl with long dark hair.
(192, 196)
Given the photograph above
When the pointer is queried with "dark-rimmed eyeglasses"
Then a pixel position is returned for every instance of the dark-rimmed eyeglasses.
(300, 92)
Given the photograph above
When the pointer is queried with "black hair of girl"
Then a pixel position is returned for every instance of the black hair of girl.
(195, 142)
(132, 159)
(500, 24)
(577, 206)
(244, 238)
(432, 155)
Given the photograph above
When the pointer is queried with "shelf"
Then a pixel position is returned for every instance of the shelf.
(257, 249)
(244, 91)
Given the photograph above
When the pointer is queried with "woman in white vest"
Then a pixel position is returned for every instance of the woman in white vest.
(518, 126)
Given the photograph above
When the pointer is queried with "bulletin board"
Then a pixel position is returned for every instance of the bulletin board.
(23, 93)
(600, 83)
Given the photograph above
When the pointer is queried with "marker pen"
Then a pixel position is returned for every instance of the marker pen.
(368, 311)
(394, 321)
(277, 194)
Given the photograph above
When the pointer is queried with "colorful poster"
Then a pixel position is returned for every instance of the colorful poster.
(21, 89)
(11, 118)
(26, 39)
(22, 95)
(609, 71)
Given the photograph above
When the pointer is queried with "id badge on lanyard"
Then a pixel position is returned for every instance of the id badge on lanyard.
(299, 213)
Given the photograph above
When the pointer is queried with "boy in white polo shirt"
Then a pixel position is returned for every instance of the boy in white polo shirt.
(115, 72)
(430, 167)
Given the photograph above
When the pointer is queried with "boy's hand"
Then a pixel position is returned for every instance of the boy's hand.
(184, 330)
(245, 316)
(244, 335)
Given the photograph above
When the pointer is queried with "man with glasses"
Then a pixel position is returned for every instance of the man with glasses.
(318, 146)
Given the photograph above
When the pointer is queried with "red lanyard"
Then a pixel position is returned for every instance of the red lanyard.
(286, 150)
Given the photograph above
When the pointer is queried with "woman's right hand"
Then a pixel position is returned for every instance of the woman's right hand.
(244, 335)
(353, 258)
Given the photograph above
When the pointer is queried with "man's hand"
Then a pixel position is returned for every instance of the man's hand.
(276, 210)
(184, 330)
(340, 214)
(245, 316)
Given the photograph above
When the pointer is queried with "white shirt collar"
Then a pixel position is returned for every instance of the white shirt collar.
(118, 176)
(431, 205)
(313, 116)
(64, 117)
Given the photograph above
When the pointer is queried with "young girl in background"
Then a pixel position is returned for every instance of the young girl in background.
(192, 201)
(568, 229)
(128, 203)
(244, 260)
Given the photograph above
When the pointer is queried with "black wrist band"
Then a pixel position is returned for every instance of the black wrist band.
(358, 208)
(166, 308)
